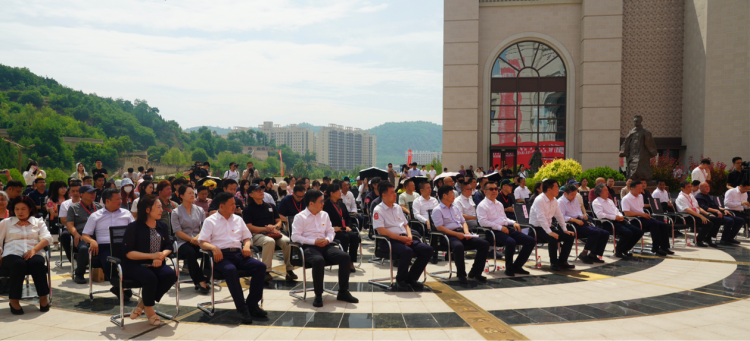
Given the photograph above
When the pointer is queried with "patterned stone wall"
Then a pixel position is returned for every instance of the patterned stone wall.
(652, 59)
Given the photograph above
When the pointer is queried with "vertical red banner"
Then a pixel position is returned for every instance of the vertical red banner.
(408, 160)
(281, 162)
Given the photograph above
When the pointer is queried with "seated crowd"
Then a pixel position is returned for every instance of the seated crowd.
(190, 219)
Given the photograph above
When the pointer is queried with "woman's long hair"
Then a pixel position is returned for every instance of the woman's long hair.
(142, 187)
(54, 189)
(332, 188)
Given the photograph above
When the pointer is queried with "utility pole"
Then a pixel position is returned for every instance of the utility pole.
(20, 150)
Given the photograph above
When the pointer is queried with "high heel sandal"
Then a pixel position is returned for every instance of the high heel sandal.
(137, 311)
(154, 320)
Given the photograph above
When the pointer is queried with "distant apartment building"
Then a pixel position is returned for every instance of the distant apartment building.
(345, 147)
(299, 139)
(424, 158)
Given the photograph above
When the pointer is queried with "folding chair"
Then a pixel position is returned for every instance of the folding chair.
(494, 248)
(72, 261)
(642, 248)
(95, 264)
(670, 218)
(435, 241)
(381, 256)
(523, 220)
(5, 273)
(602, 222)
(116, 237)
(208, 271)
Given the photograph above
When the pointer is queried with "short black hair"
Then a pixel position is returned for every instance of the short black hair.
(74, 183)
(570, 188)
(548, 184)
(222, 198)
(298, 188)
(201, 188)
(227, 182)
(696, 183)
(311, 196)
(108, 193)
(323, 187)
(14, 183)
(422, 184)
(42, 179)
(98, 160)
(706, 162)
(408, 181)
(130, 170)
(383, 186)
(98, 176)
(87, 177)
(207, 164)
(734, 159)
(140, 168)
(745, 183)
(443, 190)
(489, 183)
(634, 183)
(147, 177)
(684, 183)
(610, 178)
(660, 181)
(26, 200)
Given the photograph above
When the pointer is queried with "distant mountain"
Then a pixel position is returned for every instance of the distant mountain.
(315, 129)
(218, 130)
(395, 138)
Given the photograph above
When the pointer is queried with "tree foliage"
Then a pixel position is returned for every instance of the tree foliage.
(394, 139)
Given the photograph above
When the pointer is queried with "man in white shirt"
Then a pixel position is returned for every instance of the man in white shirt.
(735, 200)
(351, 205)
(491, 213)
(521, 193)
(688, 204)
(390, 222)
(632, 206)
(544, 208)
(423, 203)
(312, 228)
(661, 193)
(408, 196)
(604, 208)
(130, 175)
(432, 173)
(449, 220)
(423, 171)
(466, 206)
(98, 225)
(702, 173)
(227, 236)
(596, 238)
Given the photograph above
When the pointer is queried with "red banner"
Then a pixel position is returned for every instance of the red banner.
(281, 162)
(408, 160)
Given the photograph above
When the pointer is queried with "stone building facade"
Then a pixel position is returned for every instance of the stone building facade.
(568, 76)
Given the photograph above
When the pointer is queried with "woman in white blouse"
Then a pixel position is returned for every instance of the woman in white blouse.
(32, 172)
(22, 242)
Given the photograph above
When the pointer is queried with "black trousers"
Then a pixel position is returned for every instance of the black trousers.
(457, 248)
(509, 241)
(744, 215)
(19, 268)
(660, 232)
(81, 252)
(405, 253)
(628, 234)
(155, 282)
(190, 254)
(566, 240)
(596, 238)
(350, 243)
(329, 254)
(713, 231)
(732, 226)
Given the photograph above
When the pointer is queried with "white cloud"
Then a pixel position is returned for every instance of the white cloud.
(370, 9)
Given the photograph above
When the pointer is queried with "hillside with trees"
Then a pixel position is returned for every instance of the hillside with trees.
(395, 138)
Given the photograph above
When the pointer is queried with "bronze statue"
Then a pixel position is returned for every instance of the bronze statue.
(536, 160)
(638, 149)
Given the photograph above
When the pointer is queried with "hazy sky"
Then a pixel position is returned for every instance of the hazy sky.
(225, 63)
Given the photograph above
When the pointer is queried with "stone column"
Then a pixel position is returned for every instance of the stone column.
(601, 74)
(460, 84)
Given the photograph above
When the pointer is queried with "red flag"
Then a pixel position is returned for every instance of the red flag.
(408, 161)
(281, 162)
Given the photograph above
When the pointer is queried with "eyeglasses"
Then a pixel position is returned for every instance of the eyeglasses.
(493, 189)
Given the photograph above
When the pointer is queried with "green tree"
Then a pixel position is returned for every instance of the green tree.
(122, 144)
(199, 154)
(87, 153)
(155, 153)
(174, 157)
(32, 97)
(235, 146)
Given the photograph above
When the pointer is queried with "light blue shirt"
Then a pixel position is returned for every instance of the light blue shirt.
(570, 209)
(99, 222)
(414, 172)
(448, 217)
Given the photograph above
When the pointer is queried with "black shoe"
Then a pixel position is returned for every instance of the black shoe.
(128, 294)
(246, 318)
(478, 277)
(346, 296)
(595, 259)
(510, 273)
(202, 290)
(712, 244)
(15, 311)
(80, 280)
(434, 260)
(735, 241)
(497, 255)
(668, 251)
(353, 270)
(416, 286)
(520, 271)
(268, 278)
(45, 308)
(463, 280)
(318, 301)
(659, 252)
(258, 312)
(554, 267)
(290, 276)
(725, 243)
(565, 265)
(402, 286)
(700, 244)
(622, 256)
(585, 259)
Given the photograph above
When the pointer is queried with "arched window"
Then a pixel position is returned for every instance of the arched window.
(527, 105)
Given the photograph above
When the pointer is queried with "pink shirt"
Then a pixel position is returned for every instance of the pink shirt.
(308, 227)
(224, 233)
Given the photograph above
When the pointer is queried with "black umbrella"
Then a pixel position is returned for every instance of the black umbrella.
(370, 173)
(417, 180)
(494, 177)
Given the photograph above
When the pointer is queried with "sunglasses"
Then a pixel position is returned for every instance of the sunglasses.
(493, 189)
